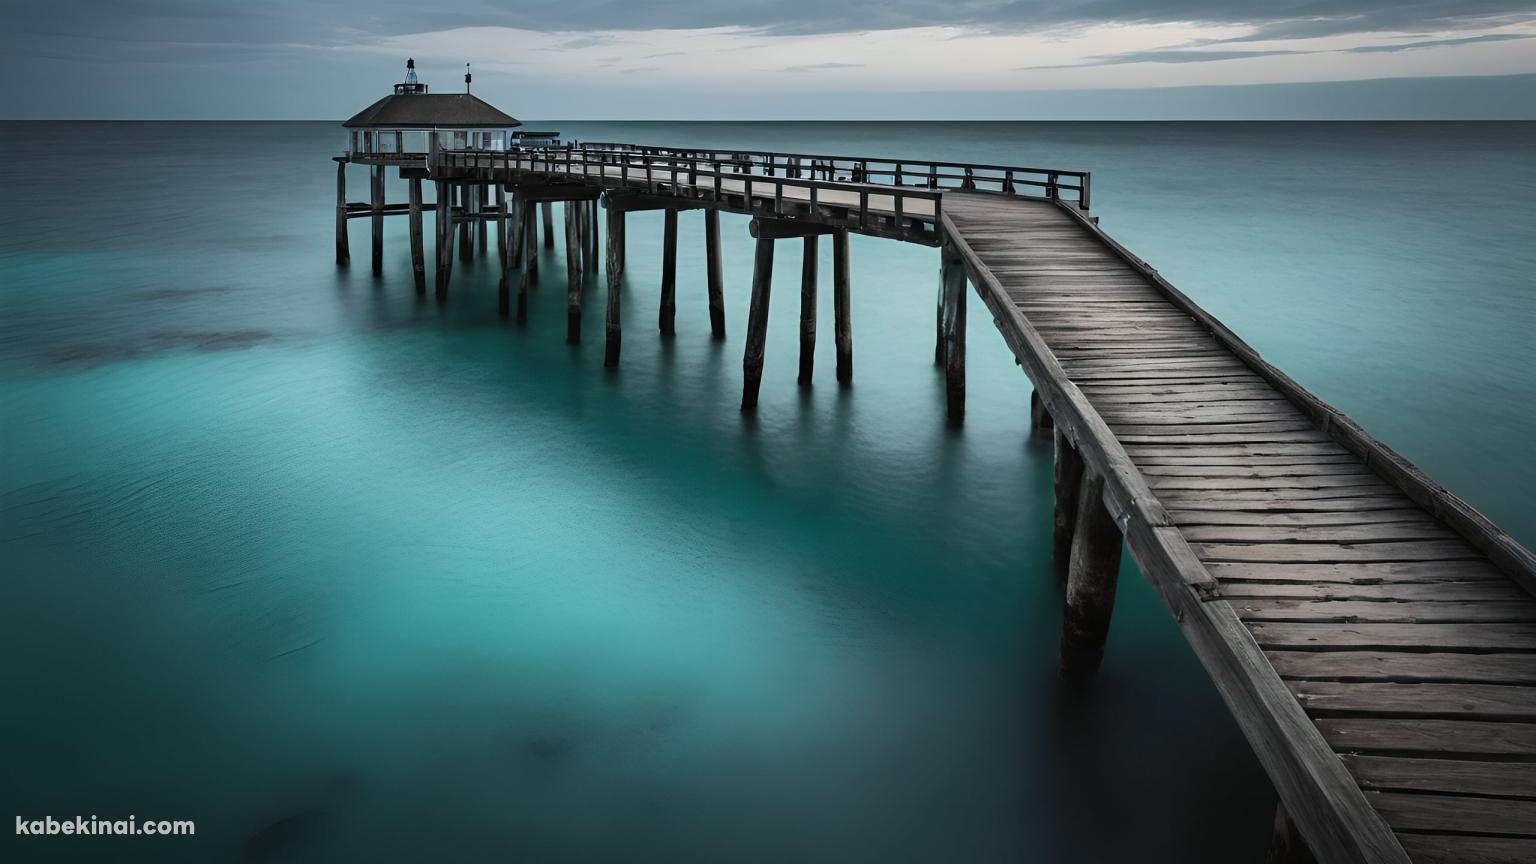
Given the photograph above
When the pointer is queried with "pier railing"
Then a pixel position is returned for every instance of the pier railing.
(1007, 179)
(706, 176)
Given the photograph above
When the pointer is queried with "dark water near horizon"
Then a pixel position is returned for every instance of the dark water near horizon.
(295, 554)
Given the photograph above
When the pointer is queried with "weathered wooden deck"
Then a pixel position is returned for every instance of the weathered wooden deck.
(1379, 661)
(1373, 635)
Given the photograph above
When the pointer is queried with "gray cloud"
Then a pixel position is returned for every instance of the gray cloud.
(816, 67)
(1185, 55)
(172, 25)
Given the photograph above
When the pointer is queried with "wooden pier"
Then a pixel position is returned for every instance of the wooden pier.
(1373, 634)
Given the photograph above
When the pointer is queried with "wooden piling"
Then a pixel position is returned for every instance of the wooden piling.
(418, 253)
(343, 248)
(482, 195)
(1287, 846)
(757, 324)
(594, 238)
(376, 195)
(938, 342)
(1091, 581)
(504, 286)
(715, 270)
(444, 247)
(807, 311)
(466, 226)
(667, 320)
(573, 272)
(841, 301)
(614, 335)
(1039, 417)
(549, 224)
(501, 226)
(952, 275)
(529, 272)
(1068, 476)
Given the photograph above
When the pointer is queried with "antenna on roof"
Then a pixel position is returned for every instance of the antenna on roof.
(466, 77)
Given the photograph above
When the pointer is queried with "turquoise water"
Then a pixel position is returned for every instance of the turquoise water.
(341, 573)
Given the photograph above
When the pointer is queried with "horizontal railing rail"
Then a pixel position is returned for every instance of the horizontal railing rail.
(695, 177)
(1006, 179)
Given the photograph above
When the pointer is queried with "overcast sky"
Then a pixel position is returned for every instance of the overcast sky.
(730, 59)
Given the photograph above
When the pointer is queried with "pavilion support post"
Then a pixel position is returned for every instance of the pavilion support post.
(953, 279)
(572, 272)
(444, 236)
(376, 194)
(549, 224)
(715, 270)
(1068, 482)
(482, 194)
(418, 252)
(841, 302)
(1287, 845)
(1039, 416)
(807, 311)
(343, 249)
(466, 223)
(667, 320)
(1091, 580)
(613, 333)
(757, 325)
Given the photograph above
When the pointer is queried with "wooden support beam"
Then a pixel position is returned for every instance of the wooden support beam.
(715, 270)
(418, 252)
(1286, 846)
(343, 248)
(953, 274)
(376, 196)
(1068, 482)
(533, 232)
(807, 310)
(594, 238)
(584, 234)
(549, 223)
(545, 193)
(1039, 415)
(1091, 580)
(786, 229)
(633, 202)
(613, 334)
(667, 320)
(572, 272)
(757, 324)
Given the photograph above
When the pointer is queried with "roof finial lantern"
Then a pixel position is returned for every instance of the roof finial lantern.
(410, 86)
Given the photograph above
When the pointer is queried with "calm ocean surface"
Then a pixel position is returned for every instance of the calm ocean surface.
(343, 574)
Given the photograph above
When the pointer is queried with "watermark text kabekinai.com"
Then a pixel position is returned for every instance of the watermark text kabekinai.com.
(96, 827)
